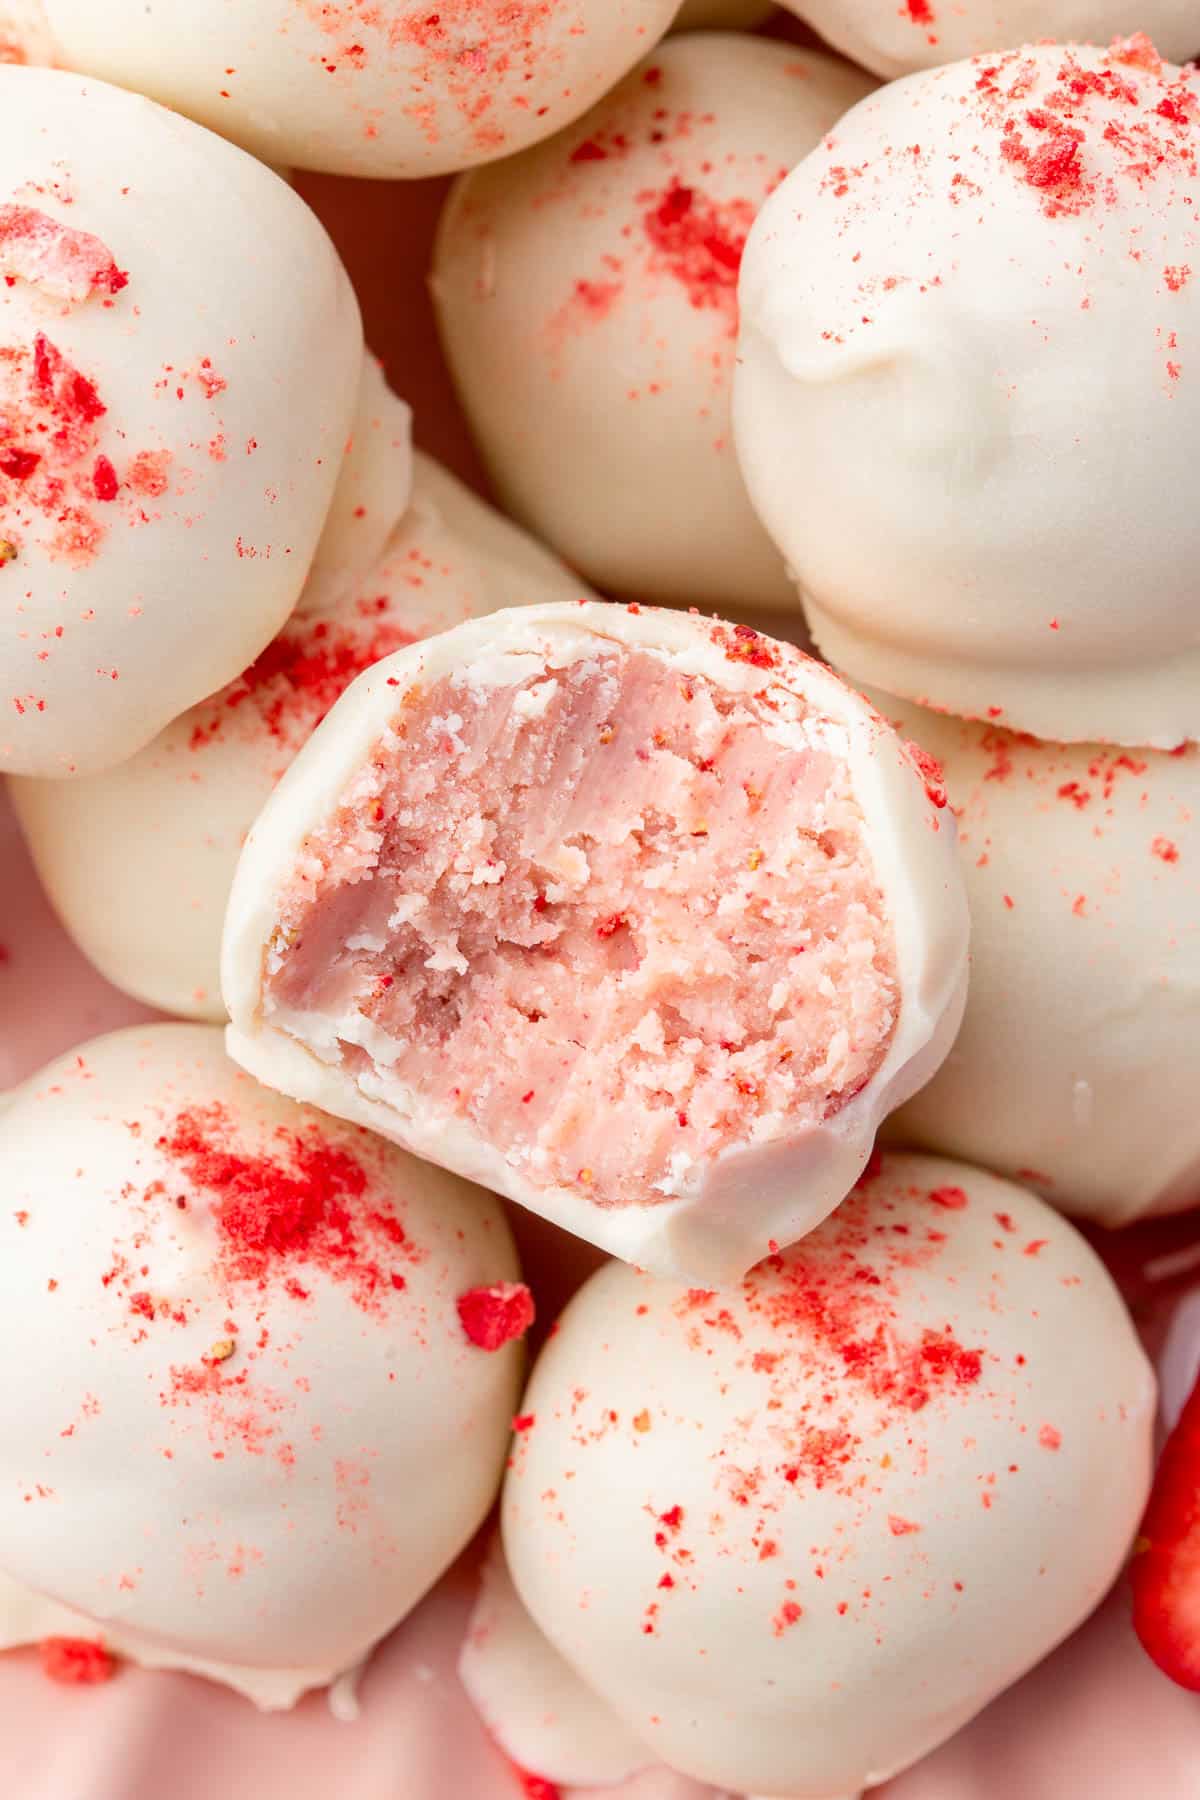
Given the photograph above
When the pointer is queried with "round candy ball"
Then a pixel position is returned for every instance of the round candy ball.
(177, 383)
(366, 87)
(798, 1531)
(587, 298)
(967, 397)
(256, 1415)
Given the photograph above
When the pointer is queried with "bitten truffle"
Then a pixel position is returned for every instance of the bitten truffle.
(968, 393)
(1075, 1069)
(366, 87)
(246, 1428)
(177, 383)
(641, 919)
(587, 298)
(796, 1533)
(139, 860)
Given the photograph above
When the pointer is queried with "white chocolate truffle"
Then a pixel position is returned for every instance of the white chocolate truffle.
(366, 87)
(922, 34)
(797, 1533)
(968, 392)
(586, 294)
(371, 497)
(179, 353)
(138, 861)
(640, 919)
(1075, 1069)
(247, 1427)
(544, 1717)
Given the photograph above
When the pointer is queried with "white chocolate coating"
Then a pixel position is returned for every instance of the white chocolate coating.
(245, 1448)
(178, 382)
(967, 397)
(371, 497)
(1074, 1070)
(139, 860)
(364, 88)
(543, 1716)
(722, 1213)
(922, 34)
(796, 1534)
(586, 294)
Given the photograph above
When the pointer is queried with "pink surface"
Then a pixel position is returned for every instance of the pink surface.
(623, 810)
(1096, 1722)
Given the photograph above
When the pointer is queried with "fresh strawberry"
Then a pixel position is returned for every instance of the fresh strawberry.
(1166, 1567)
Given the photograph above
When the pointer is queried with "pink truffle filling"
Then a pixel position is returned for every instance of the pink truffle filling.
(607, 914)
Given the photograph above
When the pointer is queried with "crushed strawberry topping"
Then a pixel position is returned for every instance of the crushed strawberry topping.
(291, 686)
(1143, 115)
(931, 772)
(699, 242)
(303, 1204)
(536, 1787)
(67, 264)
(76, 1662)
(474, 59)
(495, 1316)
(51, 413)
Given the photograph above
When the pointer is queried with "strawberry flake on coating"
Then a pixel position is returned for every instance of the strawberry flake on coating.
(71, 265)
(76, 1662)
(495, 1316)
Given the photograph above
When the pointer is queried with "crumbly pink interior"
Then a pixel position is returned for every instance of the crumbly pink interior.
(605, 915)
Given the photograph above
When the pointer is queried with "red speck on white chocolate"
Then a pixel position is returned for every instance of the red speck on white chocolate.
(587, 294)
(251, 1432)
(842, 1451)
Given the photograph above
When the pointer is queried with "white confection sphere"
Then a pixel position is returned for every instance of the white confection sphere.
(640, 919)
(586, 294)
(366, 87)
(721, 15)
(968, 393)
(372, 493)
(1075, 1066)
(139, 860)
(796, 1534)
(179, 353)
(922, 34)
(250, 1429)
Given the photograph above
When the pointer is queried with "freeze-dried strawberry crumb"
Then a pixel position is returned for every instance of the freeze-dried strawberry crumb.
(104, 479)
(295, 681)
(302, 1201)
(1097, 119)
(68, 264)
(931, 772)
(536, 1787)
(495, 1316)
(699, 242)
(742, 644)
(76, 1662)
